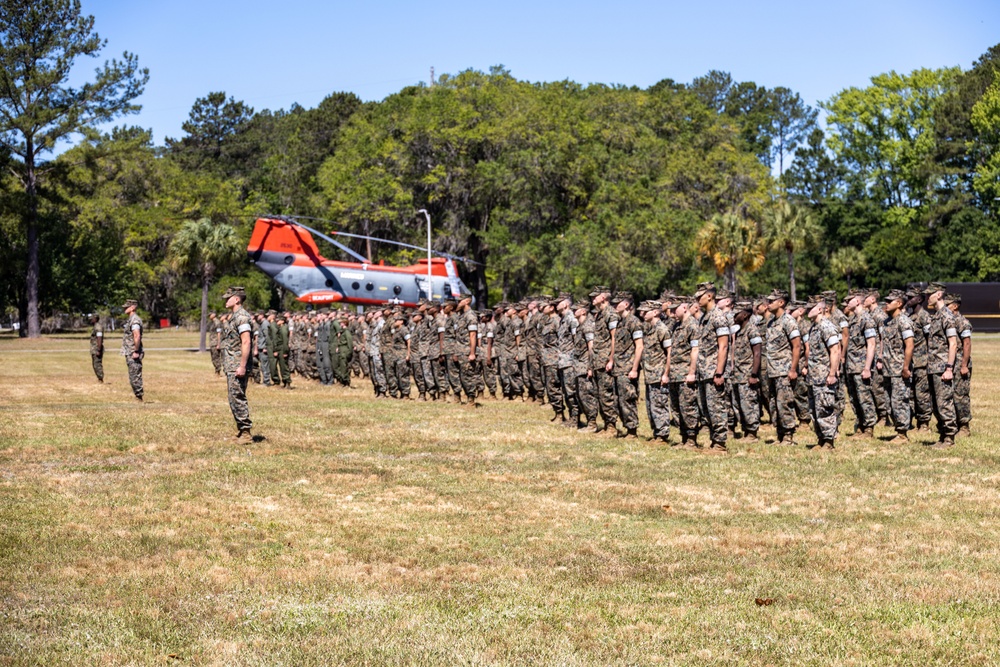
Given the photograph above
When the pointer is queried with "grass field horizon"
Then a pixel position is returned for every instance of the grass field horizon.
(407, 533)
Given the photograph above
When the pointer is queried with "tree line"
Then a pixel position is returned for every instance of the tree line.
(547, 186)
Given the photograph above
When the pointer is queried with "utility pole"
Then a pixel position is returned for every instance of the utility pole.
(432, 76)
(430, 291)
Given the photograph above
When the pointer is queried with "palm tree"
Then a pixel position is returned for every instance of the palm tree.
(204, 248)
(791, 229)
(730, 242)
(847, 262)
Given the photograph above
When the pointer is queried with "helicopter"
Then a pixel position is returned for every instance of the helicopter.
(283, 248)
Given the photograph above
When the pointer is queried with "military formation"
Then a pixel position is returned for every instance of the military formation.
(710, 363)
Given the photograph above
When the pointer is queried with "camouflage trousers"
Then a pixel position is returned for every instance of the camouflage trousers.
(920, 401)
(766, 400)
(454, 369)
(97, 361)
(417, 371)
(862, 401)
(745, 401)
(879, 394)
(567, 383)
(802, 410)
(533, 376)
(391, 381)
(265, 366)
(216, 355)
(325, 367)
(685, 397)
(627, 391)
(898, 391)
(963, 399)
(714, 402)
(586, 397)
(553, 388)
(943, 401)
(510, 377)
(401, 373)
(607, 405)
(377, 375)
(468, 373)
(439, 366)
(823, 406)
(783, 414)
(238, 401)
(489, 375)
(357, 365)
(427, 371)
(658, 409)
(135, 374)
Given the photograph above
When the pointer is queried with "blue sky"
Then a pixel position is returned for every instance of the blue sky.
(271, 54)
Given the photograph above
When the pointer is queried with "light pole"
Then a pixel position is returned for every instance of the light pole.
(430, 290)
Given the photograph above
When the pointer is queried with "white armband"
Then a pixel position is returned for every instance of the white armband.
(588, 337)
(636, 335)
(722, 331)
(473, 327)
(613, 325)
(870, 333)
(735, 329)
(907, 334)
(694, 343)
(951, 332)
(966, 333)
(100, 334)
(244, 328)
(136, 327)
(756, 340)
(795, 334)
(832, 341)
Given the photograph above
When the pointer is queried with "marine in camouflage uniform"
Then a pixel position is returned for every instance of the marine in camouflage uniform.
(486, 353)
(759, 319)
(628, 355)
(215, 341)
(376, 365)
(963, 379)
(566, 374)
(605, 324)
(797, 309)
(132, 347)
(455, 344)
(531, 339)
(878, 390)
(389, 356)
(683, 372)
(401, 356)
(235, 336)
(255, 346)
(97, 347)
(655, 351)
(745, 376)
(782, 341)
(942, 349)
(426, 336)
(895, 358)
(823, 355)
(713, 354)
(264, 349)
(442, 346)
(549, 336)
(861, 345)
(920, 386)
(468, 343)
(509, 338)
(583, 366)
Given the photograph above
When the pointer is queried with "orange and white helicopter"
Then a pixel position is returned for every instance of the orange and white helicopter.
(283, 248)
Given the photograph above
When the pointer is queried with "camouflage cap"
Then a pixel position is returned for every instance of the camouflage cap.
(649, 305)
(234, 291)
(704, 288)
(723, 293)
(896, 295)
(857, 291)
(583, 304)
(450, 301)
(597, 290)
(934, 287)
(271, 312)
(129, 303)
(777, 293)
(621, 296)
(743, 304)
(872, 292)
(795, 305)
(951, 297)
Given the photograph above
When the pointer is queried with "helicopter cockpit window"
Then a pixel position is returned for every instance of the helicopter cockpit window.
(329, 282)
(369, 286)
(355, 285)
(447, 290)
(289, 259)
(396, 289)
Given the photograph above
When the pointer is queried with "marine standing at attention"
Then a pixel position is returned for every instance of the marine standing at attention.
(236, 360)
(97, 347)
(132, 347)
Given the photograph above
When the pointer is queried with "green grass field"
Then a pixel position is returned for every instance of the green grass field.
(389, 533)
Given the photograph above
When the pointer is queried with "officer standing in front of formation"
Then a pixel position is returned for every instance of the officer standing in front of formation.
(782, 349)
(97, 347)
(237, 360)
(963, 402)
(895, 359)
(823, 358)
(713, 353)
(132, 347)
(942, 351)
(655, 357)
(626, 360)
